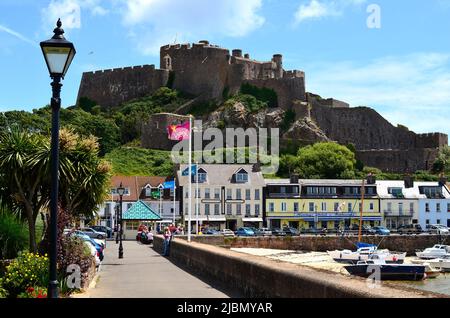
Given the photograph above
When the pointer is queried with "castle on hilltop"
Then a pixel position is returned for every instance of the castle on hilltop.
(209, 72)
(201, 69)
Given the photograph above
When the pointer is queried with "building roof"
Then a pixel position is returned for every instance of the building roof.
(410, 193)
(134, 184)
(141, 211)
(222, 174)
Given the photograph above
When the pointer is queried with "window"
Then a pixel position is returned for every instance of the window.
(207, 209)
(256, 209)
(438, 207)
(239, 209)
(216, 193)
(283, 207)
(271, 207)
(324, 206)
(411, 207)
(197, 193)
(371, 206)
(247, 209)
(427, 222)
(217, 209)
(448, 207)
(132, 225)
(229, 194)
(349, 207)
(197, 209)
(400, 208)
(186, 209)
(336, 206)
(247, 194)
(148, 192)
(202, 176)
(207, 193)
(238, 194)
(283, 190)
(389, 207)
(311, 206)
(438, 221)
(258, 198)
(229, 209)
(242, 176)
(186, 193)
(296, 209)
(427, 207)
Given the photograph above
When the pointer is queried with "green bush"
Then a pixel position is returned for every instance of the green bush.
(13, 235)
(3, 292)
(267, 95)
(251, 103)
(288, 120)
(27, 270)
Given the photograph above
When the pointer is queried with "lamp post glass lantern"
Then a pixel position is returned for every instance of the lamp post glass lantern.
(58, 54)
(120, 192)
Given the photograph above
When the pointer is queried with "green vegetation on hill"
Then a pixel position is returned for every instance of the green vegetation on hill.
(263, 94)
(134, 161)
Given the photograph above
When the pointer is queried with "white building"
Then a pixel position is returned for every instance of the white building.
(434, 204)
(225, 196)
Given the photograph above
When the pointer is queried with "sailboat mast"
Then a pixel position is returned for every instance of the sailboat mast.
(361, 207)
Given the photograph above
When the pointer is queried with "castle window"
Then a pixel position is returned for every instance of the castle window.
(168, 62)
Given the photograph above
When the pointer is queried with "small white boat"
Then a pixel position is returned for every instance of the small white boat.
(437, 251)
(365, 253)
(440, 264)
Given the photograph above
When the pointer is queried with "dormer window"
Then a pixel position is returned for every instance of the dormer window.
(148, 192)
(202, 176)
(396, 192)
(241, 176)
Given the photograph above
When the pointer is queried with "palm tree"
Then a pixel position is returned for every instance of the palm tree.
(22, 176)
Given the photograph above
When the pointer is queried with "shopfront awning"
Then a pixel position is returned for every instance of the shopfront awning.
(222, 219)
(252, 219)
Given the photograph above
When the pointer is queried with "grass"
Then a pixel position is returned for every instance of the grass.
(134, 161)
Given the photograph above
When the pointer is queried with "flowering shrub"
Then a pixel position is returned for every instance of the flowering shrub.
(26, 270)
(34, 292)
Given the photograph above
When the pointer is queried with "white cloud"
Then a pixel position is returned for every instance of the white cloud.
(317, 9)
(413, 90)
(70, 12)
(159, 22)
(17, 35)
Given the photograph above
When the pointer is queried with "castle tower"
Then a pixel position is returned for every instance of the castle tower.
(278, 61)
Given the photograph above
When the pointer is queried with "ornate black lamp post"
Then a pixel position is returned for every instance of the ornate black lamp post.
(121, 192)
(58, 54)
(116, 223)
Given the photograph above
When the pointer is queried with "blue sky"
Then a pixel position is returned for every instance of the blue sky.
(401, 69)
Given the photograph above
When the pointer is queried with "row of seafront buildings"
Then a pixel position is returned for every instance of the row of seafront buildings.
(232, 196)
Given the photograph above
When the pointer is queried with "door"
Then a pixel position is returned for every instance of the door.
(231, 224)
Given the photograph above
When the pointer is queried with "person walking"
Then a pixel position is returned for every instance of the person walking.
(167, 238)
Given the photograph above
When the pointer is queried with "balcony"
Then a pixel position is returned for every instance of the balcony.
(398, 213)
(283, 195)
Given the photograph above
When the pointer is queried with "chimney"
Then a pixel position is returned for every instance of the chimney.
(256, 167)
(371, 179)
(294, 179)
(409, 182)
(237, 53)
(442, 181)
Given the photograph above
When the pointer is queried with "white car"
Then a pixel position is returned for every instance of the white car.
(93, 253)
(93, 233)
(227, 232)
(438, 229)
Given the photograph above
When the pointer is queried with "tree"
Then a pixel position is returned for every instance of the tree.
(442, 162)
(25, 174)
(326, 160)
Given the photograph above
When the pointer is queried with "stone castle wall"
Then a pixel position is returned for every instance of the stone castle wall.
(110, 88)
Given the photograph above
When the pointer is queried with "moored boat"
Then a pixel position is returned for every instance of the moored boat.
(437, 251)
(378, 269)
(365, 253)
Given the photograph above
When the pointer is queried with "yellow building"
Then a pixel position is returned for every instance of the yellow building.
(309, 204)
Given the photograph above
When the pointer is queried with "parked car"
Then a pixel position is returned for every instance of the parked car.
(212, 232)
(93, 233)
(365, 230)
(227, 232)
(278, 232)
(104, 229)
(409, 229)
(86, 238)
(265, 231)
(245, 231)
(256, 231)
(291, 231)
(381, 230)
(438, 229)
(94, 253)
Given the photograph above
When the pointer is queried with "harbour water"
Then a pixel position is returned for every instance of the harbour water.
(321, 260)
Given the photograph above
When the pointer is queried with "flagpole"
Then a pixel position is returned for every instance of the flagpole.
(196, 195)
(190, 179)
(174, 203)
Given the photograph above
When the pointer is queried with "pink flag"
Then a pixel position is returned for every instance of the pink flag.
(179, 132)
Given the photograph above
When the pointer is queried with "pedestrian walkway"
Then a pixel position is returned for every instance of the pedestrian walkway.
(143, 273)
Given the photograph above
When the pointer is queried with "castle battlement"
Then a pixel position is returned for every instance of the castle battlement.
(121, 69)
